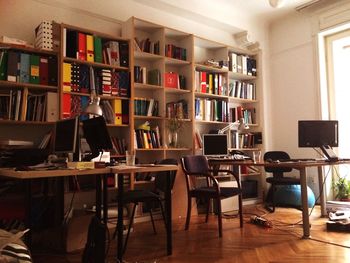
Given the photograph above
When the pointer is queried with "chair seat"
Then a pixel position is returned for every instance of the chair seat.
(138, 196)
(210, 192)
(283, 180)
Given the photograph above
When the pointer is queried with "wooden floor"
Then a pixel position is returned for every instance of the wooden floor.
(252, 243)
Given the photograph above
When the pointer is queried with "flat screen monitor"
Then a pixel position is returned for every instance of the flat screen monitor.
(97, 136)
(215, 144)
(316, 133)
(66, 135)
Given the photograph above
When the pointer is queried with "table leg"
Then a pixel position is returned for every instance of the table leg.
(98, 196)
(105, 199)
(306, 222)
(120, 218)
(322, 190)
(168, 214)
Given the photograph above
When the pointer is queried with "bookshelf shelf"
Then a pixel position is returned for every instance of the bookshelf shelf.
(147, 86)
(240, 76)
(210, 69)
(146, 150)
(147, 56)
(208, 95)
(148, 117)
(10, 84)
(240, 100)
(93, 64)
(179, 149)
(27, 49)
(12, 122)
(174, 61)
(177, 91)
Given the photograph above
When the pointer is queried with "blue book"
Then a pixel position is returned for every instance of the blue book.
(24, 68)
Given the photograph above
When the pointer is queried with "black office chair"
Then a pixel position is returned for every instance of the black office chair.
(141, 196)
(197, 166)
(278, 177)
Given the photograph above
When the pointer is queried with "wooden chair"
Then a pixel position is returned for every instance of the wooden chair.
(278, 177)
(197, 166)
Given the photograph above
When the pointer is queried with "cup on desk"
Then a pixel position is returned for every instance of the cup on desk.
(130, 158)
(256, 156)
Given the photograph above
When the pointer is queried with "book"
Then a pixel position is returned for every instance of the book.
(171, 80)
(67, 75)
(12, 65)
(52, 70)
(98, 49)
(90, 48)
(71, 43)
(34, 69)
(44, 71)
(3, 64)
(118, 111)
(51, 106)
(124, 54)
(81, 53)
(24, 68)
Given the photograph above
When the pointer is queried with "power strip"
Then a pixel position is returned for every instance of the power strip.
(257, 220)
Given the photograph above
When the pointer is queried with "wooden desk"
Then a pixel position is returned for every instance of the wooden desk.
(301, 167)
(101, 189)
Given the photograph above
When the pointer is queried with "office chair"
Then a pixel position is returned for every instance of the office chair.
(157, 195)
(197, 166)
(278, 177)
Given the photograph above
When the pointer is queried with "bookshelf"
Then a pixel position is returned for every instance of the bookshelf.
(162, 76)
(28, 85)
(94, 64)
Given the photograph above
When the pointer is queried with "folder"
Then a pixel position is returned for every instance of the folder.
(71, 43)
(124, 54)
(75, 68)
(125, 112)
(3, 64)
(51, 106)
(34, 69)
(67, 75)
(12, 65)
(98, 49)
(24, 68)
(81, 46)
(52, 71)
(66, 105)
(118, 111)
(84, 79)
(44, 71)
(90, 48)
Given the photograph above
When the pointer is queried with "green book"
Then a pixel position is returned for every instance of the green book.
(34, 69)
(3, 64)
(98, 49)
(154, 77)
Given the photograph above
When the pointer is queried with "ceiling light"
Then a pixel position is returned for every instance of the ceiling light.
(276, 3)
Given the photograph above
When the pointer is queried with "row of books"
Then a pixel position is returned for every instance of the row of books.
(177, 109)
(243, 140)
(174, 80)
(114, 111)
(211, 110)
(146, 45)
(211, 83)
(146, 107)
(148, 139)
(173, 51)
(242, 90)
(119, 145)
(20, 105)
(247, 114)
(242, 64)
(78, 78)
(16, 66)
(93, 48)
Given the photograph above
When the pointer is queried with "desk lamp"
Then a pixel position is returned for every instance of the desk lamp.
(237, 125)
(94, 107)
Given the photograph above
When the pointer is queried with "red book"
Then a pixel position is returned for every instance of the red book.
(171, 80)
(44, 71)
(81, 46)
(203, 76)
(66, 105)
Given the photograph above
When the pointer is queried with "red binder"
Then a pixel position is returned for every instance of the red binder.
(66, 106)
(81, 46)
(44, 71)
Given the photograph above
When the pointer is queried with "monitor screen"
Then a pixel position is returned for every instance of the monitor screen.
(96, 135)
(66, 135)
(316, 133)
(215, 144)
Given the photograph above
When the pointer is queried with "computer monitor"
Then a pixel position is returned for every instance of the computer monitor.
(318, 133)
(66, 136)
(215, 144)
(97, 136)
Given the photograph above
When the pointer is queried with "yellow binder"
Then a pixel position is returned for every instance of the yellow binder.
(90, 48)
(67, 75)
(118, 111)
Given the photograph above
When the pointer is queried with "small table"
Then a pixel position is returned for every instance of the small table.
(301, 167)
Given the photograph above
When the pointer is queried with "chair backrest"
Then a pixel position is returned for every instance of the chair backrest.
(195, 164)
(277, 155)
(160, 177)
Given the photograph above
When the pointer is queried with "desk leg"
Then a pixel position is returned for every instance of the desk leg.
(120, 218)
(322, 190)
(98, 196)
(105, 199)
(306, 221)
(168, 214)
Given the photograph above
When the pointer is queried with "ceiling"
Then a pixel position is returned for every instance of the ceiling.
(228, 15)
